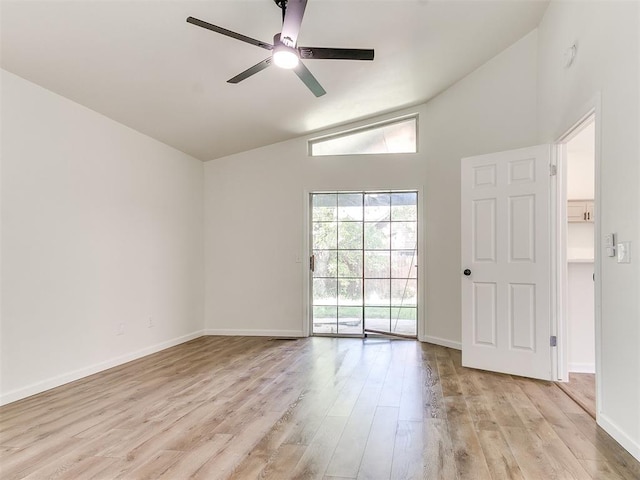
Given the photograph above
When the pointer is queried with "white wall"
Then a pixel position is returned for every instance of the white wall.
(607, 63)
(491, 110)
(581, 325)
(580, 240)
(101, 225)
(254, 233)
(254, 201)
(581, 164)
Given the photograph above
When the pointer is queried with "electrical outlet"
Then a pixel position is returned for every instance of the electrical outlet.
(150, 323)
(120, 330)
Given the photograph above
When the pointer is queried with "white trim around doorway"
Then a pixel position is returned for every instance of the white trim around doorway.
(591, 112)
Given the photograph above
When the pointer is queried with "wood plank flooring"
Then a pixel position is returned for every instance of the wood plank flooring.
(326, 408)
(581, 387)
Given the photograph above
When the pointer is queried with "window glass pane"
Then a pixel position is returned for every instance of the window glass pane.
(325, 319)
(325, 291)
(377, 207)
(394, 137)
(350, 235)
(325, 206)
(404, 206)
(350, 206)
(326, 263)
(350, 263)
(404, 293)
(404, 321)
(377, 318)
(377, 292)
(403, 235)
(377, 236)
(349, 292)
(403, 264)
(350, 320)
(325, 312)
(376, 264)
(325, 235)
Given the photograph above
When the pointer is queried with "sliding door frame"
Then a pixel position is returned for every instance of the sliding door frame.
(307, 237)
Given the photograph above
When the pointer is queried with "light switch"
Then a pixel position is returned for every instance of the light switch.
(609, 239)
(609, 243)
(624, 253)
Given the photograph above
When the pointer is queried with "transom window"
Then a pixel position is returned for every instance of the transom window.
(394, 136)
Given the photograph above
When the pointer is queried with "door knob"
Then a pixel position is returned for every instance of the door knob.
(467, 272)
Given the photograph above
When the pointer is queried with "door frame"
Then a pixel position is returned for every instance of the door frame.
(589, 112)
(305, 250)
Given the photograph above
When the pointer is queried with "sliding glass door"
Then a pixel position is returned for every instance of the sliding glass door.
(364, 263)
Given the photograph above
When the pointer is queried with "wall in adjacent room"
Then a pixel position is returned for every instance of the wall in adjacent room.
(581, 328)
(605, 71)
(255, 230)
(102, 229)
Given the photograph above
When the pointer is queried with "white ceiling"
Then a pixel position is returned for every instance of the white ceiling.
(139, 62)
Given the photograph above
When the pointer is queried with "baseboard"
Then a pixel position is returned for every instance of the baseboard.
(582, 367)
(631, 446)
(443, 342)
(59, 380)
(254, 333)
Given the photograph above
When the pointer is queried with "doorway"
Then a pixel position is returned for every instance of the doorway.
(577, 160)
(363, 264)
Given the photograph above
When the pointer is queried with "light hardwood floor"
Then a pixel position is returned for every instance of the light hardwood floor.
(581, 387)
(244, 408)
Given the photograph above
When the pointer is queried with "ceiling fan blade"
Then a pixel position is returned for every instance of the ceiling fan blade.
(292, 21)
(229, 33)
(309, 53)
(258, 67)
(309, 80)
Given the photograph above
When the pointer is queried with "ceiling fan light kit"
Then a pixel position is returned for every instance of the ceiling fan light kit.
(285, 52)
(284, 56)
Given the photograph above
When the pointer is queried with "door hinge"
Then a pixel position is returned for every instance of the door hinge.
(553, 170)
(553, 341)
(312, 263)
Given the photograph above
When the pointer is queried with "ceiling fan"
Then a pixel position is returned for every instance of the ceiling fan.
(285, 51)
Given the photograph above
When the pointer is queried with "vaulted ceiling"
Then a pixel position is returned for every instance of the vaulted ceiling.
(140, 63)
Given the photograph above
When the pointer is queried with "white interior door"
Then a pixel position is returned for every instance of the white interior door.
(506, 262)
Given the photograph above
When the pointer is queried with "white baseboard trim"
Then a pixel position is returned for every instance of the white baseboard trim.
(443, 342)
(59, 380)
(582, 367)
(254, 333)
(630, 445)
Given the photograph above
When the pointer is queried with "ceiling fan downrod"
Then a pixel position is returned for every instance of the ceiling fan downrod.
(282, 4)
